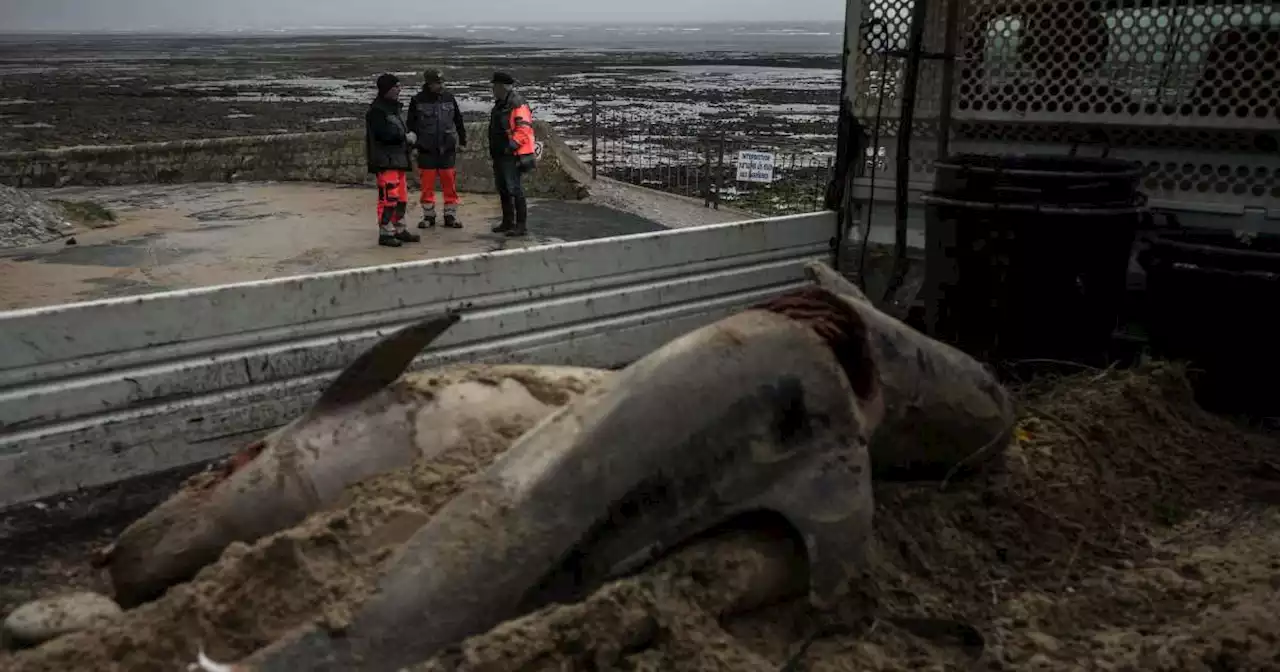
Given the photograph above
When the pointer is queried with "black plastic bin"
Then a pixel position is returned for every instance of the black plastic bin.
(1027, 256)
(1212, 300)
(1038, 179)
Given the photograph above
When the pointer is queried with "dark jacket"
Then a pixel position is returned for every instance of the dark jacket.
(500, 130)
(386, 139)
(437, 119)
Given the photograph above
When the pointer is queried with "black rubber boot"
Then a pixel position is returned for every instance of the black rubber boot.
(508, 215)
(404, 235)
(451, 222)
(522, 218)
(429, 223)
(386, 228)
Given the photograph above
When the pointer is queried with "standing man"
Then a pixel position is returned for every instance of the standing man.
(512, 148)
(386, 141)
(436, 118)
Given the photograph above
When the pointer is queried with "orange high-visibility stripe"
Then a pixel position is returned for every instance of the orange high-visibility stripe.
(521, 125)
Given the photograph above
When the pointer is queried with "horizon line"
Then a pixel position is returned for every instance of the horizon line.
(400, 26)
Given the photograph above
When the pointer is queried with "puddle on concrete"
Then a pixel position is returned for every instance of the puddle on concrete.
(122, 254)
(569, 220)
(235, 213)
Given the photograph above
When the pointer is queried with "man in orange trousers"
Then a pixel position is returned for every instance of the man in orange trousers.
(387, 150)
(436, 118)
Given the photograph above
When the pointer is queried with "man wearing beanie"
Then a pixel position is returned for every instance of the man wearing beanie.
(386, 141)
(512, 147)
(436, 119)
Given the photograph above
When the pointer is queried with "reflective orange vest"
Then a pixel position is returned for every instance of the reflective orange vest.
(520, 129)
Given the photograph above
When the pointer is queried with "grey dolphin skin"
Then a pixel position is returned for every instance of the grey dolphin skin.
(785, 408)
(173, 541)
(371, 419)
(753, 413)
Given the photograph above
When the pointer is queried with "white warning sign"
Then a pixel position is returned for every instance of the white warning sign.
(755, 167)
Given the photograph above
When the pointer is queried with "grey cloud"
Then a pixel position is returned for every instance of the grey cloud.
(82, 15)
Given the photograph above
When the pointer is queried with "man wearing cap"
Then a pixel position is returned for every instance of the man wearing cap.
(386, 141)
(512, 148)
(436, 119)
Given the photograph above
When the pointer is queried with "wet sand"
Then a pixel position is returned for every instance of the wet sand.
(169, 88)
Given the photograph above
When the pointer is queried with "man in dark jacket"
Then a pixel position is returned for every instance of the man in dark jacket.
(436, 118)
(512, 147)
(386, 141)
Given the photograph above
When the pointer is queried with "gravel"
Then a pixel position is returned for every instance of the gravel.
(27, 220)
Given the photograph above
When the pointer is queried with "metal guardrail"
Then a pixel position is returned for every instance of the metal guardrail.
(92, 393)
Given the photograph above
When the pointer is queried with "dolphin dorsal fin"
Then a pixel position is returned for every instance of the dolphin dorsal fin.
(382, 364)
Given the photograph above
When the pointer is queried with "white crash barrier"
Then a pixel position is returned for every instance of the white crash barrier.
(92, 393)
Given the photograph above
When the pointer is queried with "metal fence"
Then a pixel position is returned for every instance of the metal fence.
(763, 175)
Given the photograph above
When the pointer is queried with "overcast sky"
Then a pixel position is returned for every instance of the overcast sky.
(82, 15)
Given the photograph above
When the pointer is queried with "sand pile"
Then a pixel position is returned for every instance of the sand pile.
(1126, 527)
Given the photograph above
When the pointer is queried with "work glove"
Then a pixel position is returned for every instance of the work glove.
(412, 137)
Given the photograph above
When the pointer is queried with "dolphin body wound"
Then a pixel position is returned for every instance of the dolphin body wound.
(370, 420)
(945, 412)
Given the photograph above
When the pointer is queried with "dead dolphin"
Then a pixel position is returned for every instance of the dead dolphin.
(762, 411)
(370, 420)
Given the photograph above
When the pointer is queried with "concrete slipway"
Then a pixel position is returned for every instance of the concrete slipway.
(192, 235)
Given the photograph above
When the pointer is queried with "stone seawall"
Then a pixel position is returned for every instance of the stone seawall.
(335, 156)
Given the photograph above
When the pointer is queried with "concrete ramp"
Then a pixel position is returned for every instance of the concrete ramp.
(183, 236)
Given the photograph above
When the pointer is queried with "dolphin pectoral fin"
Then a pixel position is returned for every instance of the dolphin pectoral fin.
(829, 502)
(382, 364)
(829, 279)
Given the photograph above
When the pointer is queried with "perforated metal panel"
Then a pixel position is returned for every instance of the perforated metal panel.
(1190, 90)
(1203, 67)
(876, 84)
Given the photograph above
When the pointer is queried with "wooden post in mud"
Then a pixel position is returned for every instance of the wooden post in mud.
(595, 133)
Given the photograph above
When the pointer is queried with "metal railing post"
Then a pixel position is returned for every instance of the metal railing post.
(706, 188)
(595, 134)
(719, 173)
